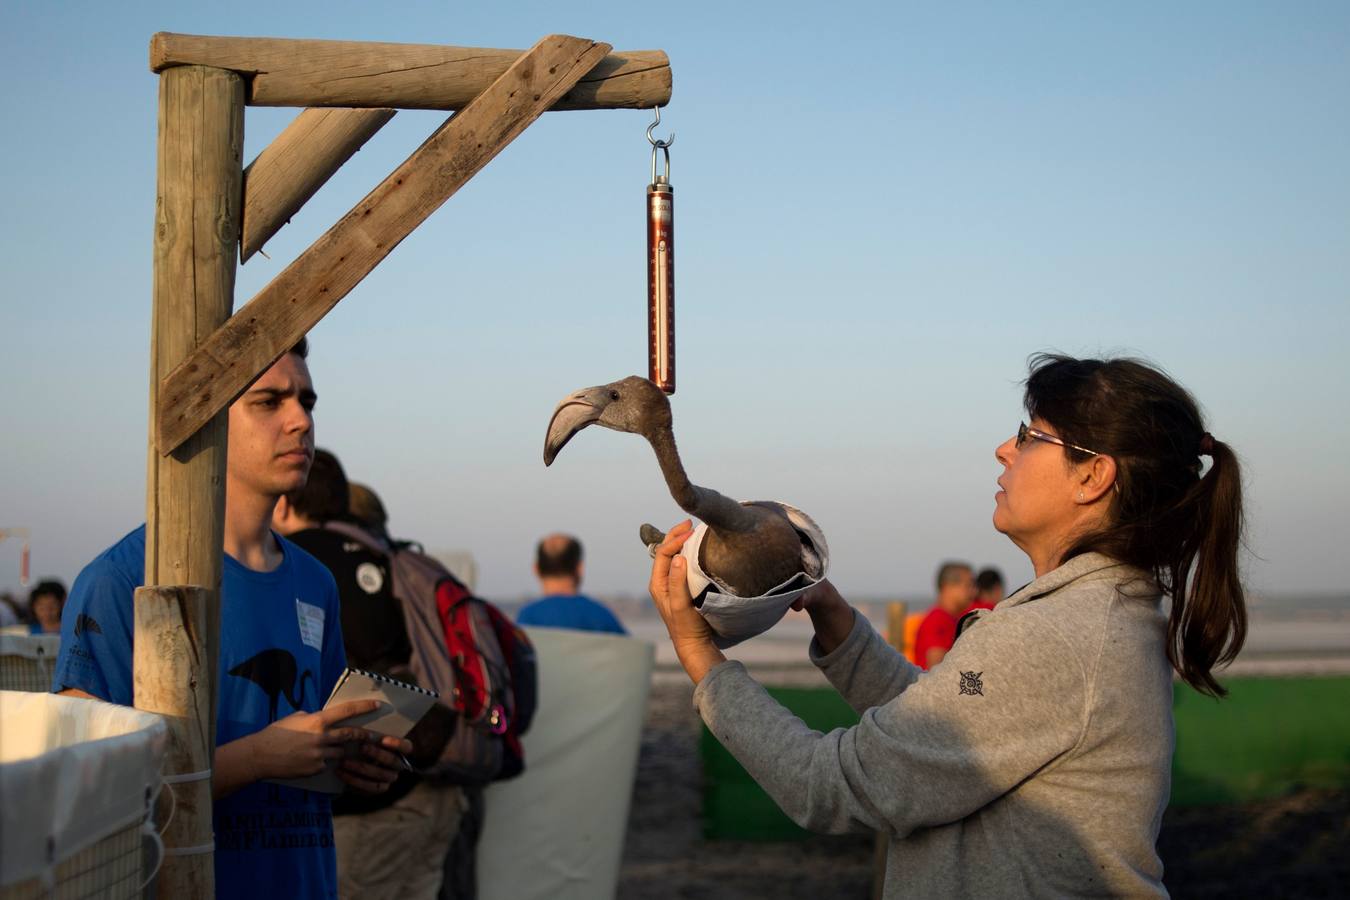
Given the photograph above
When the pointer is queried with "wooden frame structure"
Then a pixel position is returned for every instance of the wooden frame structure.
(210, 211)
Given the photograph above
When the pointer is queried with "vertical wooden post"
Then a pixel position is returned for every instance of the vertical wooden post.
(896, 613)
(170, 678)
(197, 214)
(895, 636)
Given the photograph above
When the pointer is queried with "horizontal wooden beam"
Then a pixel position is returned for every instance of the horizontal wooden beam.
(295, 165)
(288, 72)
(223, 366)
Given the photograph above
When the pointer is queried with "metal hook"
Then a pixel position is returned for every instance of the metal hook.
(650, 128)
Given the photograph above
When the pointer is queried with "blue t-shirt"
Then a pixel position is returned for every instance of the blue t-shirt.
(280, 651)
(575, 611)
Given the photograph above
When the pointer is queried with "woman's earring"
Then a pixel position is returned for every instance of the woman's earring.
(1080, 496)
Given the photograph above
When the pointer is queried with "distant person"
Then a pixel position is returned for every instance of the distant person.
(45, 603)
(937, 632)
(988, 588)
(280, 654)
(559, 567)
(392, 845)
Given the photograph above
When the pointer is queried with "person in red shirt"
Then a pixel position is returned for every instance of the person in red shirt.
(937, 632)
(988, 588)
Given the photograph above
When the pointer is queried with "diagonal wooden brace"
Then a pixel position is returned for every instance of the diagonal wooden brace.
(295, 165)
(223, 365)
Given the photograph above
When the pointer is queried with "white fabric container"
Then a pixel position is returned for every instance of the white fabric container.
(72, 773)
(556, 832)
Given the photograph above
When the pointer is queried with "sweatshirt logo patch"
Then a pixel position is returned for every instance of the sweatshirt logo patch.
(971, 683)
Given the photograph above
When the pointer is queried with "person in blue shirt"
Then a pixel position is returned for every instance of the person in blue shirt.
(559, 568)
(281, 652)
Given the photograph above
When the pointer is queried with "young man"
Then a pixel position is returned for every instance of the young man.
(937, 632)
(280, 654)
(559, 568)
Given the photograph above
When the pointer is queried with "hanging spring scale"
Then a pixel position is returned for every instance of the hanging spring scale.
(661, 267)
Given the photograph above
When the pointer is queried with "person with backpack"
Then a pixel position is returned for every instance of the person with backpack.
(482, 663)
(391, 845)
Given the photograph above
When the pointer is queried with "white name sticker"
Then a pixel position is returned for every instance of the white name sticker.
(311, 623)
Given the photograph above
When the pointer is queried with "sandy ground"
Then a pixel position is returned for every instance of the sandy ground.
(1295, 846)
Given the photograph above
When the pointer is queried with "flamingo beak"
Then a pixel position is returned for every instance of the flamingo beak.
(573, 414)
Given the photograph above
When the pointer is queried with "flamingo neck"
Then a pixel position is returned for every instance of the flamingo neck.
(668, 457)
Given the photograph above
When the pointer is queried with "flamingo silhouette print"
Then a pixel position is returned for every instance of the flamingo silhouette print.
(274, 671)
(85, 623)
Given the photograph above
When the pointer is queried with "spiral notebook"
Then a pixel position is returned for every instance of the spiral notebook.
(402, 705)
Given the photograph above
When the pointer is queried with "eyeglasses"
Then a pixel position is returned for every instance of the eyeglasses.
(1024, 431)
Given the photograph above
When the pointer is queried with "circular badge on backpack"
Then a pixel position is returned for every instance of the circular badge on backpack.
(369, 577)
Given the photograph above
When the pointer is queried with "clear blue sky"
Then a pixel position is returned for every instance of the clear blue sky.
(882, 209)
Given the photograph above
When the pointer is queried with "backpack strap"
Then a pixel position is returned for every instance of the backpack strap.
(358, 534)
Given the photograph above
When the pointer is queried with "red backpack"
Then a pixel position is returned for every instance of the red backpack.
(480, 691)
(524, 666)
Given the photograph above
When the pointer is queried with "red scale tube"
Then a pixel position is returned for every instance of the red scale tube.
(661, 282)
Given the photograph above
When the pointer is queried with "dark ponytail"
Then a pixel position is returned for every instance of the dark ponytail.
(1166, 518)
(1208, 627)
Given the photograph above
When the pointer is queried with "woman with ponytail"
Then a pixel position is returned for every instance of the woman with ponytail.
(1166, 513)
(1035, 759)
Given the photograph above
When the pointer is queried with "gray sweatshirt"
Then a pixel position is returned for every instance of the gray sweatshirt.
(1033, 761)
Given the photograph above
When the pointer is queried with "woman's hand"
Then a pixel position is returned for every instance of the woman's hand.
(689, 632)
(830, 614)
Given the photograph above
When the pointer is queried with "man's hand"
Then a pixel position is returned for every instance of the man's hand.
(300, 744)
(377, 766)
(689, 632)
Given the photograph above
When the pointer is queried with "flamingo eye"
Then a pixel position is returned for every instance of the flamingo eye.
(614, 395)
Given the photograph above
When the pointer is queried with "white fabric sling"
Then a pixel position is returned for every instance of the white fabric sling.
(736, 619)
